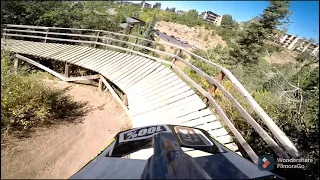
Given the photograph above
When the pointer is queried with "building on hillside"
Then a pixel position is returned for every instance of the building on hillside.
(130, 22)
(147, 5)
(180, 12)
(298, 44)
(289, 41)
(307, 46)
(211, 17)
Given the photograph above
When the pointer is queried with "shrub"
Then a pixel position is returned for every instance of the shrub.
(206, 37)
(26, 102)
(304, 57)
(161, 47)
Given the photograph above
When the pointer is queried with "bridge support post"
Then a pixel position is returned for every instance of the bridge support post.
(100, 84)
(135, 41)
(94, 46)
(174, 59)
(15, 65)
(45, 40)
(219, 78)
(67, 70)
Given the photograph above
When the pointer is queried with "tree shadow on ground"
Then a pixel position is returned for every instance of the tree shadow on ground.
(63, 109)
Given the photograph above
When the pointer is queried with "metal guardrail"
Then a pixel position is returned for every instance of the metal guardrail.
(18, 30)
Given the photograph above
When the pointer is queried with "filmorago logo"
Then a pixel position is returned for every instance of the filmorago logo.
(266, 162)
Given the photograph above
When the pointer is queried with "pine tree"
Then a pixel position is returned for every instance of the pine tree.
(250, 45)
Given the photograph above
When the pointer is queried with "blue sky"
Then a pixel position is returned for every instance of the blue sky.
(305, 15)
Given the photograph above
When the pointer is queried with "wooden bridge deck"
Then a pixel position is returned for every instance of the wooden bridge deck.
(156, 95)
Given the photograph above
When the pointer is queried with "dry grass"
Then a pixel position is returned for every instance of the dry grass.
(126, 125)
(193, 35)
(283, 57)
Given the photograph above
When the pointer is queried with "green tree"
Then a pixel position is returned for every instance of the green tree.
(275, 15)
(25, 12)
(227, 21)
(251, 44)
(157, 5)
(193, 13)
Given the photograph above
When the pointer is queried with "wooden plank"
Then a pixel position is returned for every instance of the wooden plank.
(223, 139)
(158, 94)
(148, 78)
(198, 153)
(141, 63)
(102, 44)
(158, 100)
(154, 92)
(178, 109)
(89, 57)
(143, 110)
(163, 102)
(40, 66)
(62, 50)
(66, 54)
(141, 75)
(142, 67)
(80, 55)
(154, 80)
(135, 74)
(195, 106)
(16, 48)
(217, 132)
(110, 68)
(125, 68)
(232, 146)
(25, 48)
(159, 83)
(164, 116)
(169, 112)
(37, 48)
(83, 57)
(201, 121)
(167, 93)
(159, 73)
(94, 59)
(55, 49)
(111, 62)
(105, 59)
(73, 53)
(49, 48)
(195, 115)
(176, 104)
(82, 78)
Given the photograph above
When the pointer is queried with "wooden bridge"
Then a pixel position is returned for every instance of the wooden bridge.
(157, 91)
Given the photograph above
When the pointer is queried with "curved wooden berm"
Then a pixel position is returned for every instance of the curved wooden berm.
(156, 95)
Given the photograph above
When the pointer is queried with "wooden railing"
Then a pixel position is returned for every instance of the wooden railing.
(71, 35)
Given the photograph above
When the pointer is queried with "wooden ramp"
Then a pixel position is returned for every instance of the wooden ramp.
(156, 95)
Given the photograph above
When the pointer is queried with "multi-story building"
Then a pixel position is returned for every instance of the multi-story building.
(297, 44)
(307, 46)
(289, 41)
(147, 5)
(211, 17)
(180, 12)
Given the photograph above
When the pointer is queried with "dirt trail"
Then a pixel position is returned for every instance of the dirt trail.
(61, 151)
